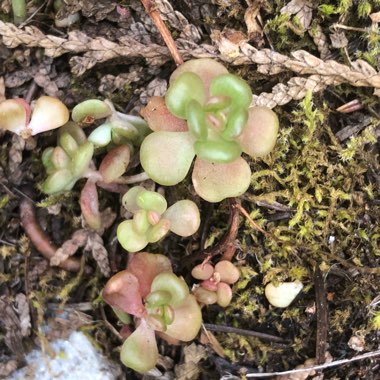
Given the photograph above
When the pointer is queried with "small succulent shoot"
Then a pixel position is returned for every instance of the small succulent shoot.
(19, 11)
(216, 281)
(152, 220)
(215, 105)
(17, 116)
(118, 127)
(69, 161)
(283, 293)
(159, 300)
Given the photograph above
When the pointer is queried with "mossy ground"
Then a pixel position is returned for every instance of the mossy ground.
(316, 196)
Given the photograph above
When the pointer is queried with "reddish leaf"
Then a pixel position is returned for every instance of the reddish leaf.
(89, 204)
(146, 266)
(122, 291)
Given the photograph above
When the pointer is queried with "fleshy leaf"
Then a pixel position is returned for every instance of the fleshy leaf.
(175, 286)
(101, 136)
(139, 351)
(167, 156)
(260, 133)
(68, 143)
(115, 163)
(14, 115)
(74, 131)
(186, 87)
(196, 120)
(122, 291)
(59, 158)
(48, 113)
(146, 266)
(129, 199)
(82, 158)
(187, 320)
(206, 68)
(158, 231)
(237, 121)
(184, 217)
(123, 316)
(58, 181)
(90, 110)
(159, 117)
(150, 200)
(129, 238)
(215, 182)
(234, 87)
(220, 151)
(89, 204)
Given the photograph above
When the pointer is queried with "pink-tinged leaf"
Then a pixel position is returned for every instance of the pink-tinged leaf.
(14, 115)
(115, 163)
(146, 266)
(89, 204)
(259, 135)
(187, 320)
(206, 68)
(184, 217)
(167, 156)
(139, 351)
(122, 291)
(159, 118)
(90, 110)
(214, 182)
(48, 113)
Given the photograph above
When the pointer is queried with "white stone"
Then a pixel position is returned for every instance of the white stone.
(283, 294)
(75, 359)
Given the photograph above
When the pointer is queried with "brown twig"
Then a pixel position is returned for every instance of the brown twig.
(322, 316)
(156, 18)
(316, 367)
(39, 239)
(250, 220)
(234, 330)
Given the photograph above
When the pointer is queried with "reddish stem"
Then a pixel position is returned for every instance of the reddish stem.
(39, 239)
(156, 18)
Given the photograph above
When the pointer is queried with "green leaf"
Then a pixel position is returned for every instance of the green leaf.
(151, 201)
(158, 231)
(129, 199)
(101, 136)
(158, 298)
(236, 122)
(234, 87)
(68, 143)
(187, 86)
(139, 351)
(175, 286)
(90, 110)
(140, 222)
(196, 120)
(167, 156)
(82, 158)
(218, 151)
(129, 238)
(58, 181)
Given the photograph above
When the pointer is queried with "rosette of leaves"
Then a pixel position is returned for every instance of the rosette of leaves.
(118, 127)
(158, 300)
(216, 282)
(206, 113)
(47, 113)
(152, 219)
(68, 161)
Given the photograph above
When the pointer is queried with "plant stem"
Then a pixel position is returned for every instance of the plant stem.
(39, 239)
(19, 11)
(156, 18)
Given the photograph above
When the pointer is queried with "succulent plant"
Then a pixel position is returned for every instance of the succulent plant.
(206, 113)
(68, 161)
(215, 285)
(118, 127)
(17, 116)
(159, 300)
(152, 220)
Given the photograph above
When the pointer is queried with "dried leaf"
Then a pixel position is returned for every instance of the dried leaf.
(22, 309)
(15, 158)
(320, 39)
(338, 40)
(2, 89)
(95, 245)
(254, 29)
(208, 338)
(6, 368)
(70, 247)
(303, 9)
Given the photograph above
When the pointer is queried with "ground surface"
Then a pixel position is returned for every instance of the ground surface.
(316, 195)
